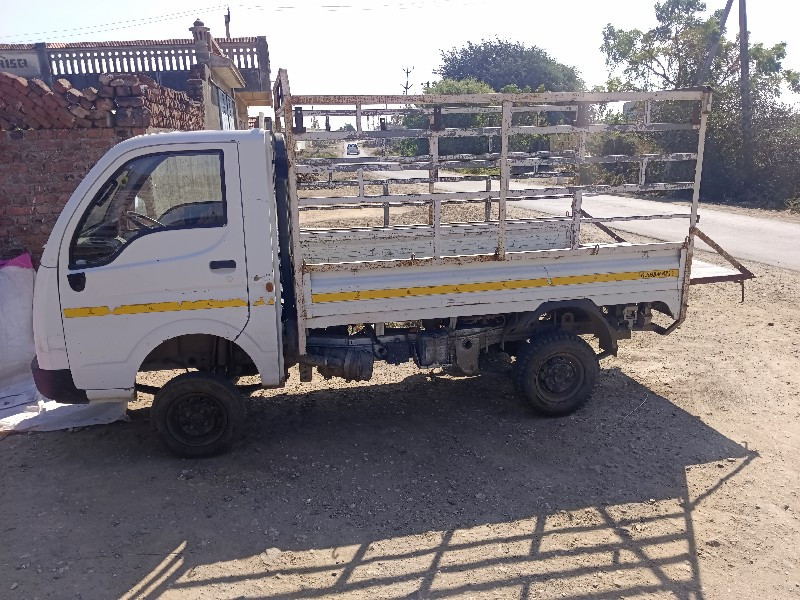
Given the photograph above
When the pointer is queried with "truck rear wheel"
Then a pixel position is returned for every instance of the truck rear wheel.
(556, 373)
(198, 414)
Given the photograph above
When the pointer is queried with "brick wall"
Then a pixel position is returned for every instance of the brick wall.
(39, 171)
(51, 136)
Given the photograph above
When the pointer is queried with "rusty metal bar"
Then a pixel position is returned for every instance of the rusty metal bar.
(478, 258)
(596, 220)
(505, 178)
(422, 162)
(320, 185)
(497, 99)
(446, 110)
(577, 200)
(437, 228)
(386, 205)
(488, 206)
(581, 122)
(608, 231)
(602, 128)
(433, 173)
(747, 273)
(492, 131)
(510, 195)
(705, 110)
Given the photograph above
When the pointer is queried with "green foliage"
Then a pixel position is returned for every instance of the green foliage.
(776, 142)
(500, 63)
(346, 127)
(670, 56)
(482, 144)
(411, 147)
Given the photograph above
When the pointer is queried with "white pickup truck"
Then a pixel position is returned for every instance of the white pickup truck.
(188, 251)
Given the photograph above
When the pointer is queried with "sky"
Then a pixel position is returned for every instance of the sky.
(362, 46)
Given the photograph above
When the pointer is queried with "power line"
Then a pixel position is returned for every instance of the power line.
(136, 22)
(114, 26)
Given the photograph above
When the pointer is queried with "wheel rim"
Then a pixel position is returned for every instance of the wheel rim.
(197, 419)
(560, 377)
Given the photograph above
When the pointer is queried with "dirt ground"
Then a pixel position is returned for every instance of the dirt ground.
(679, 479)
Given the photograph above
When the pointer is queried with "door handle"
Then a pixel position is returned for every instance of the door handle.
(77, 281)
(222, 264)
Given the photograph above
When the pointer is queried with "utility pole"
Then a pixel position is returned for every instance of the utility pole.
(713, 48)
(407, 86)
(747, 107)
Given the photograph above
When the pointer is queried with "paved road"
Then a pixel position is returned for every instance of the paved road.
(748, 238)
(763, 240)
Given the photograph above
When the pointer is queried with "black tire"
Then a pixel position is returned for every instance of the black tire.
(556, 373)
(198, 414)
(516, 349)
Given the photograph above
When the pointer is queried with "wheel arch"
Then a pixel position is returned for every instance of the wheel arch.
(584, 308)
(200, 329)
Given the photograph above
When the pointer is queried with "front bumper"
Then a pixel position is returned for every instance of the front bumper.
(57, 385)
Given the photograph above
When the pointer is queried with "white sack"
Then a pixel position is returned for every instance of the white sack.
(22, 408)
(16, 324)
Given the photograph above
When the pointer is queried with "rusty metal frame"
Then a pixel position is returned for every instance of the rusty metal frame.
(289, 108)
(743, 275)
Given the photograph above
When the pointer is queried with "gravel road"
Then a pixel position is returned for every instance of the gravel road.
(679, 479)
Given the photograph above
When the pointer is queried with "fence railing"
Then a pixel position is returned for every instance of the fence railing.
(250, 57)
(121, 60)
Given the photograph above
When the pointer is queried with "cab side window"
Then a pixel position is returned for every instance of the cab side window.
(148, 194)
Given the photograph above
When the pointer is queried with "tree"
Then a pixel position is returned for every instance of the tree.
(411, 147)
(500, 63)
(670, 56)
(478, 144)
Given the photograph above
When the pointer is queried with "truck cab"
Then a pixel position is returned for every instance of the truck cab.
(165, 256)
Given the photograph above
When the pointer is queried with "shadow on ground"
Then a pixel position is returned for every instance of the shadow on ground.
(428, 487)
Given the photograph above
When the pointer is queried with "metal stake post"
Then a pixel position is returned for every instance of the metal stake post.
(294, 214)
(505, 179)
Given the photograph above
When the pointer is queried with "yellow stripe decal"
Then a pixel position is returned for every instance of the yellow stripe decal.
(262, 302)
(428, 290)
(490, 286)
(154, 307)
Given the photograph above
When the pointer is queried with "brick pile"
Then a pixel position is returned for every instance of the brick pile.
(119, 100)
(41, 169)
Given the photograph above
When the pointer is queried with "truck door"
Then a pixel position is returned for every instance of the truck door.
(158, 251)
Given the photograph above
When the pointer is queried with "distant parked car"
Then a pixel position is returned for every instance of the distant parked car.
(353, 149)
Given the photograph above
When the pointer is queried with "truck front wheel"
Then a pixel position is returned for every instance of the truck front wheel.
(556, 373)
(198, 414)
